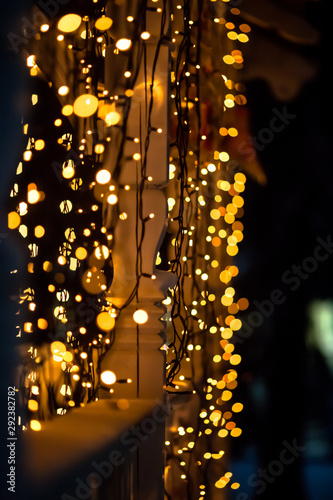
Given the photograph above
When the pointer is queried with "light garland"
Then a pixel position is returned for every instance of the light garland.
(63, 299)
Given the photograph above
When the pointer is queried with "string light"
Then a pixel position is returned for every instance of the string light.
(204, 207)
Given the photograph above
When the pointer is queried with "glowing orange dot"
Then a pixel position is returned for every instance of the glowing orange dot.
(230, 425)
(233, 308)
(243, 304)
(229, 319)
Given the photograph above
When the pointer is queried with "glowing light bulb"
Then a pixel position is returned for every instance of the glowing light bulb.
(99, 149)
(112, 199)
(27, 155)
(123, 44)
(63, 90)
(58, 347)
(14, 220)
(103, 176)
(112, 118)
(108, 377)
(103, 23)
(85, 105)
(67, 110)
(39, 144)
(68, 172)
(140, 316)
(33, 194)
(145, 35)
(104, 321)
(35, 425)
(69, 23)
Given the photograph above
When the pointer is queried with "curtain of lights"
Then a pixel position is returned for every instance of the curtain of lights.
(80, 200)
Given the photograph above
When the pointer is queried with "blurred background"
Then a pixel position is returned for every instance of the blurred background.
(287, 364)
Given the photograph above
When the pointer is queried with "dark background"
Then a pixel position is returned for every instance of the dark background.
(287, 377)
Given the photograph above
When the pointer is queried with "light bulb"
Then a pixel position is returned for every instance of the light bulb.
(69, 23)
(140, 316)
(108, 377)
(103, 176)
(85, 105)
(123, 44)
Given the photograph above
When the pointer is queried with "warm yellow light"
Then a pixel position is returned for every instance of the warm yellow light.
(69, 23)
(105, 321)
(102, 252)
(28, 327)
(31, 61)
(67, 110)
(240, 178)
(47, 266)
(236, 324)
(123, 43)
(112, 118)
(62, 260)
(211, 167)
(215, 214)
(42, 323)
(140, 316)
(32, 405)
(81, 253)
(103, 176)
(85, 105)
(228, 59)
(243, 38)
(237, 407)
(99, 149)
(112, 199)
(14, 220)
(39, 144)
(68, 171)
(27, 155)
(33, 195)
(58, 348)
(224, 156)
(35, 425)
(108, 377)
(63, 90)
(103, 23)
(39, 231)
(235, 359)
(145, 35)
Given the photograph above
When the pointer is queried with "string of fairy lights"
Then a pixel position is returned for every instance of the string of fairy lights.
(63, 189)
(206, 304)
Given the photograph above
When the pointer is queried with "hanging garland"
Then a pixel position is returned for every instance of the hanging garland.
(64, 192)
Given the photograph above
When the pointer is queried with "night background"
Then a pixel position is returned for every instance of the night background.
(287, 361)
